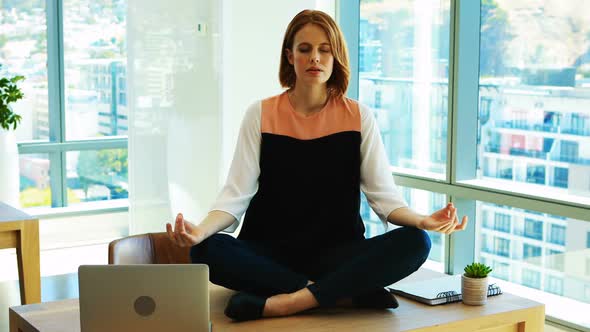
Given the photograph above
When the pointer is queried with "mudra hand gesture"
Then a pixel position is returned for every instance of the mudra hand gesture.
(444, 221)
(185, 233)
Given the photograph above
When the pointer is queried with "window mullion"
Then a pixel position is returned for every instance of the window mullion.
(464, 74)
(56, 177)
(56, 100)
(348, 18)
(463, 116)
(461, 245)
(543, 205)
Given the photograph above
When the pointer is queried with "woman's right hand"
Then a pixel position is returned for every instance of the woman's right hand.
(185, 233)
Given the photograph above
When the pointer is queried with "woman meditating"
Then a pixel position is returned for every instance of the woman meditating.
(301, 161)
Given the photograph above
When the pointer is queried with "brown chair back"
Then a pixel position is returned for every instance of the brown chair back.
(150, 248)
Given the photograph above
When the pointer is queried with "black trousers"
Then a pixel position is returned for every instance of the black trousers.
(346, 271)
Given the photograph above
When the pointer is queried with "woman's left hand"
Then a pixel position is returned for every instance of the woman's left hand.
(444, 221)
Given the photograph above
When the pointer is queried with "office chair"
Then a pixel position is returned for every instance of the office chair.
(150, 248)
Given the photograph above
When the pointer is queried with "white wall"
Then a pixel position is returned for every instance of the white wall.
(253, 35)
(174, 87)
(188, 93)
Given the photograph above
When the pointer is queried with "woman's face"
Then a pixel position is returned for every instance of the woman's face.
(311, 55)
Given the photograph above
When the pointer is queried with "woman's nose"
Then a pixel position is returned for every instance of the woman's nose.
(315, 57)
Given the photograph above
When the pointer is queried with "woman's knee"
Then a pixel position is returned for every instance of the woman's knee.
(415, 240)
(420, 241)
(201, 253)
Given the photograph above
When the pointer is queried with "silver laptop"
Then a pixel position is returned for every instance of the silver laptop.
(147, 298)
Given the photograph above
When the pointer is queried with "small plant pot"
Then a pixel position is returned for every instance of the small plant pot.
(474, 291)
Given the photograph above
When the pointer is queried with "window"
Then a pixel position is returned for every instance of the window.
(403, 72)
(554, 285)
(519, 124)
(97, 175)
(588, 240)
(520, 119)
(505, 169)
(94, 68)
(531, 254)
(501, 270)
(569, 151)
(502, 247)
(533, 229)
(532, 259)
(531, 278)
(92, 116)
(419, 200)
(536, 174)
(35, 180)
(555, 260)
(557, 234)
(560, 176)
(23, 51)
(502, 222)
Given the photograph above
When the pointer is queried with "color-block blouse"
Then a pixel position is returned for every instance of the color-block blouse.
(298, 178)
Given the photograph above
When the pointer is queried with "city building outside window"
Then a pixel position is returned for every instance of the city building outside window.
(531, 254)
(554, 285)
(502, 222)
(555, 259)
(532, 120)
(533, 229)
(557, 234)
(72, 150)
(531, 278)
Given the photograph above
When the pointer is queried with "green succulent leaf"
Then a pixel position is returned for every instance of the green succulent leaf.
(477, 270)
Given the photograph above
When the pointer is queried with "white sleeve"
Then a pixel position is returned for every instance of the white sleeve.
(376, 179)
(242, 179)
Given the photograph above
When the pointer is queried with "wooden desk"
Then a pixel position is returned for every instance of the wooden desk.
(21, 231)
(503, 313)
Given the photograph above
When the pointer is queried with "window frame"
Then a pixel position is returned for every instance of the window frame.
(460, 184)
(57, 146)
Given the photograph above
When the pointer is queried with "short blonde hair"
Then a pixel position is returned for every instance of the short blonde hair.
(338, 81)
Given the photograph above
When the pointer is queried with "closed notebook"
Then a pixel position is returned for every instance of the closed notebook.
(436, 291)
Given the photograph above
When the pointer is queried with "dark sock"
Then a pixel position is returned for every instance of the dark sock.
(378, 299)
(243, 306)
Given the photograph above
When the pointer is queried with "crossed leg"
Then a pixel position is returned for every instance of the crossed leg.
(341, 273)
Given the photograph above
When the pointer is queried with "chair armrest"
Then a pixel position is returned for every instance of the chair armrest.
(166, 252)
(136, 249)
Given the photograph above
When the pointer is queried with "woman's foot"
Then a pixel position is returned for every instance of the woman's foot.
(243, 306)
(378, 299)
(289, 304)
(279, 305)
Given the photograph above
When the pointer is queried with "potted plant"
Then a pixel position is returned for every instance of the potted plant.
(9, 120)
(474, 284)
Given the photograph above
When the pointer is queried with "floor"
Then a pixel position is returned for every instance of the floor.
(555, 329)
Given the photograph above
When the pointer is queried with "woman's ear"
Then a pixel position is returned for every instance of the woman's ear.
(289, 55)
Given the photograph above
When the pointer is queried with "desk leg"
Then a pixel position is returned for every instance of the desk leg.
(27, 253)
(12, 322)
(534, 320)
